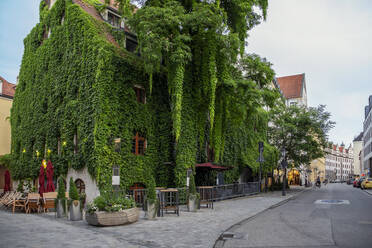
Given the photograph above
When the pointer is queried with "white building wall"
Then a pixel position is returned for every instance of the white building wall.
(91, 189)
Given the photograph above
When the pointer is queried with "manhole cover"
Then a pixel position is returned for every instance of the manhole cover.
(334, 202)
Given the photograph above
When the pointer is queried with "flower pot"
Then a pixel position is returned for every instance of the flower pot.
(193, 203)
(102, 218)
(75, 212)
(151, 210)
(60, 209)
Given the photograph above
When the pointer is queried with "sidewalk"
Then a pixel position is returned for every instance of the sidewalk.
(369, 191)
(200, 229)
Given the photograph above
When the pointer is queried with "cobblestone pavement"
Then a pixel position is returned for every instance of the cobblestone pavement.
(200, 229)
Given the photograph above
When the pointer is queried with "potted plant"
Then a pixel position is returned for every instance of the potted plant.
(74, 203)
(151, 202)
(193, 196)
(111, 211)
(61, 199)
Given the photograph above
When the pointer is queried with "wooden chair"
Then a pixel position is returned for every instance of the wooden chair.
(33, 202)
(5, 197)
(49, 200)
(10, 201)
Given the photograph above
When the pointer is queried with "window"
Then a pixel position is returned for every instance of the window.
(138, 144)
(113, 19)
(80, 185)
(131, 43)
(140, 94)
(293, 103)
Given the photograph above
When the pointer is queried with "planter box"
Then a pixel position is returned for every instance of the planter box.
(102, 218)
(75, 212)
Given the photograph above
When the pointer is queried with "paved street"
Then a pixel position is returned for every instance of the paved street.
(200, 229)
(306, 221)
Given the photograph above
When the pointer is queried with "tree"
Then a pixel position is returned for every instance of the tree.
(302, 132)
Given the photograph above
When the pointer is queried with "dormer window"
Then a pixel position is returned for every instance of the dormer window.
(113, 19)
(140, 94)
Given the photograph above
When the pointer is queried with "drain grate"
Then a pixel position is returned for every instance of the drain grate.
(332, 202)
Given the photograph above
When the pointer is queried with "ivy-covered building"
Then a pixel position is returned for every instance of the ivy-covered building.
(84, 101)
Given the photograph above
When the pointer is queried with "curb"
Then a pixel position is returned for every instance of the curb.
(228, 233)
(368, 192)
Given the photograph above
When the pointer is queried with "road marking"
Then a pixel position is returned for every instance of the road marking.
(333, 202)
(365, 222)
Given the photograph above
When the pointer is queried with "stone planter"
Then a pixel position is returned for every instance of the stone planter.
(193, 203)
(151, 210)
(102, 218)
(60, 209)
(75, 212)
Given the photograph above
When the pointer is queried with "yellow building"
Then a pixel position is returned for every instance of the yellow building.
(6, 99)
(317, 168)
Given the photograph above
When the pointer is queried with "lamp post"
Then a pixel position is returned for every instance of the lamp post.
(284, 164)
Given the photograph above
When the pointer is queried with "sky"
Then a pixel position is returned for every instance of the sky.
(328, 40)
(331, 42)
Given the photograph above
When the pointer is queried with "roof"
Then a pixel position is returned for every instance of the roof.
(211, 166)
(8, 89)
(292, 86)
(359, 137)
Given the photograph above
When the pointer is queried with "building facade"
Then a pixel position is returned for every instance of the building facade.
(7, 90)
(357, 152)
(294, 89)
(339, 162)
(367, 139)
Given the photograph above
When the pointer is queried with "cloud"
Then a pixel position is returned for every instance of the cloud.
(329, 41)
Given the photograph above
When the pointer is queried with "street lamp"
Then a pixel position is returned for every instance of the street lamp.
(284, 164)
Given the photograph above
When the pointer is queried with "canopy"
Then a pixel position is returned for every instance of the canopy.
(212, 166)
(7, 181)
(41, 180)
(49, 174)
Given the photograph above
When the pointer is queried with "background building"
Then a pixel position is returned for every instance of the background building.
(367, 138)
(294, 89)
(6, 99)
(339, 162)
(357, 150)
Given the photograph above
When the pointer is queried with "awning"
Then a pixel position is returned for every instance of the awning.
(211, 166)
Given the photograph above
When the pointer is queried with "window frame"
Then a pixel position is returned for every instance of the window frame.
(137, 138)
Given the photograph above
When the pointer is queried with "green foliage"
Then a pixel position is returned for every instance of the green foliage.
(73, 193)
(110, 204)
(77, 82)
(301, 131)
(5, 160)
(61, 189)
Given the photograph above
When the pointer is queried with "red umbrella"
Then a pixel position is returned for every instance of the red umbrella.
(7, 181)
(49, 172)
(41, 181)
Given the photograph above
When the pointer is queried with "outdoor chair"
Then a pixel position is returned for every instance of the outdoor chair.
(33, 202)
(19, 202)
(4, 198)
(15, 196)
(49, 200)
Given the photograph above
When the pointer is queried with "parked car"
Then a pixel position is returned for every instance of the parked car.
(367, 183)
(355, 182)
(349, 181)
(360, 182)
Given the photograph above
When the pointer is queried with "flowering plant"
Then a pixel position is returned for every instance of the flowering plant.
(108, 204)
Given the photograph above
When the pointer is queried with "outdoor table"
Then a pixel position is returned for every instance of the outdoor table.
(206, 195)
(169, 201)
(21, 202)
